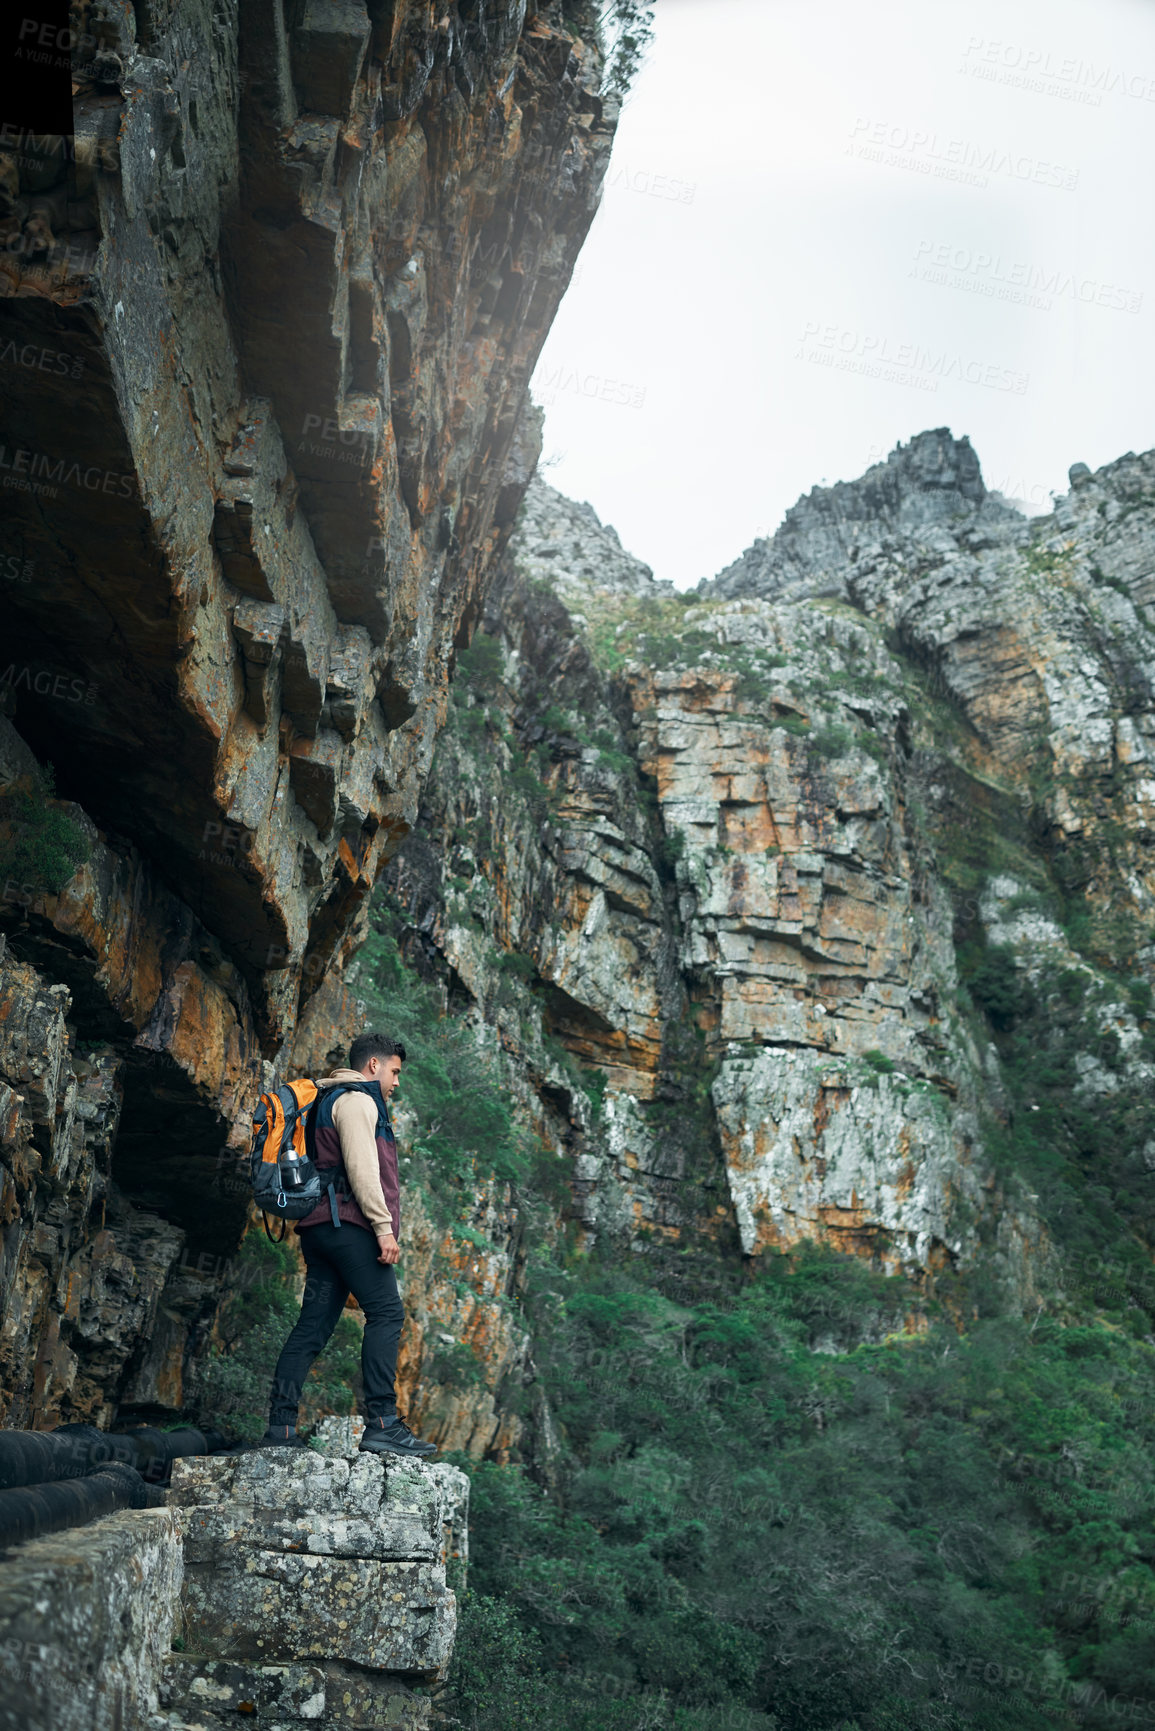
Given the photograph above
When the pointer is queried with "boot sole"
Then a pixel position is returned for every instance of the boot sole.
(388, 1449)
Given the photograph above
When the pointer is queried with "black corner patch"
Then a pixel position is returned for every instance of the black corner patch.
(36, 46)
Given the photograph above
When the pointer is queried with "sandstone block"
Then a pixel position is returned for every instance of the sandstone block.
(339, 1507)
(299, 1556)
(86, 1620)
(214, 1692)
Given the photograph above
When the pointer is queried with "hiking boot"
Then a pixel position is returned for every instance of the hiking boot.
(392, 1436)
(281, 1436)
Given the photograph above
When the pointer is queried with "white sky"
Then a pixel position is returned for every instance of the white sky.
(802, 190)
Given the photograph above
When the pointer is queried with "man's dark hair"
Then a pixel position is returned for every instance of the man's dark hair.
(367, 1046)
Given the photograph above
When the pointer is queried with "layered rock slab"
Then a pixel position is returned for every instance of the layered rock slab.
(870, 1161)
(264, 500)
(86, 1623)
(294, 1557)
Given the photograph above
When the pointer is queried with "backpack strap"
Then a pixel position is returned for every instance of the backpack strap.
(311, 1145)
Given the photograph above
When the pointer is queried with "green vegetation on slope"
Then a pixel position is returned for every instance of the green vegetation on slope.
(944, 1530)
(43, 846)
(466, 1133)
(937, 1532)
(1087, 1152)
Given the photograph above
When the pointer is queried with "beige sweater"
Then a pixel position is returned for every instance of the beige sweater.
(355, 1118)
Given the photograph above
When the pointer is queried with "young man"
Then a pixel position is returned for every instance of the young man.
(355, 1143)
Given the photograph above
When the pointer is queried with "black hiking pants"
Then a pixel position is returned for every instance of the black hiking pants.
(342, 1260)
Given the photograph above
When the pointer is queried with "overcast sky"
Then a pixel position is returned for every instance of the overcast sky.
(827, 226)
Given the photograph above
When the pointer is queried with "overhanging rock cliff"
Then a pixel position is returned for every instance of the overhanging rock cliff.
(266, 332)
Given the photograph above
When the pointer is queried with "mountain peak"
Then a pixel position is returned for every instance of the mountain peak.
(925, 490)
(565, 542)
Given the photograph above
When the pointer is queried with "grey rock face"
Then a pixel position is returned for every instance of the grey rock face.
(86, 1624)
(305, 1589)
(926, 497)
(267, 440)
(295, 1556)
(565, 544)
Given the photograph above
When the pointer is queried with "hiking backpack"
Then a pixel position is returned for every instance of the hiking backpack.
(282, 1159)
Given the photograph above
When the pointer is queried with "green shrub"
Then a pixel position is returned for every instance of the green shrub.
(533, 791)
(995, 984)
(465, 1126)
(513, 962)
(494, 1674)
(879, 1062)
(745, 1529)
(46, 845)
(835, 741)
(671, 848)
(480, 667)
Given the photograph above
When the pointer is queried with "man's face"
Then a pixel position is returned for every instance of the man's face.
(386, 1071)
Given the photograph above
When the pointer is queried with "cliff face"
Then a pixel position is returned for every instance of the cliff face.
(769, 861)
(267, 329)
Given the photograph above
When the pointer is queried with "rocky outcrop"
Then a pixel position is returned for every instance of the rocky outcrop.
(86, 1624)
(1038, 634)
(314, 1586)
(101, 1302)
(732, 841)
(267, 327)
(919, 502)
(307, 1588)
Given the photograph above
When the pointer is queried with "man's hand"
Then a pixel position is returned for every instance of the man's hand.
(387, 1245)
